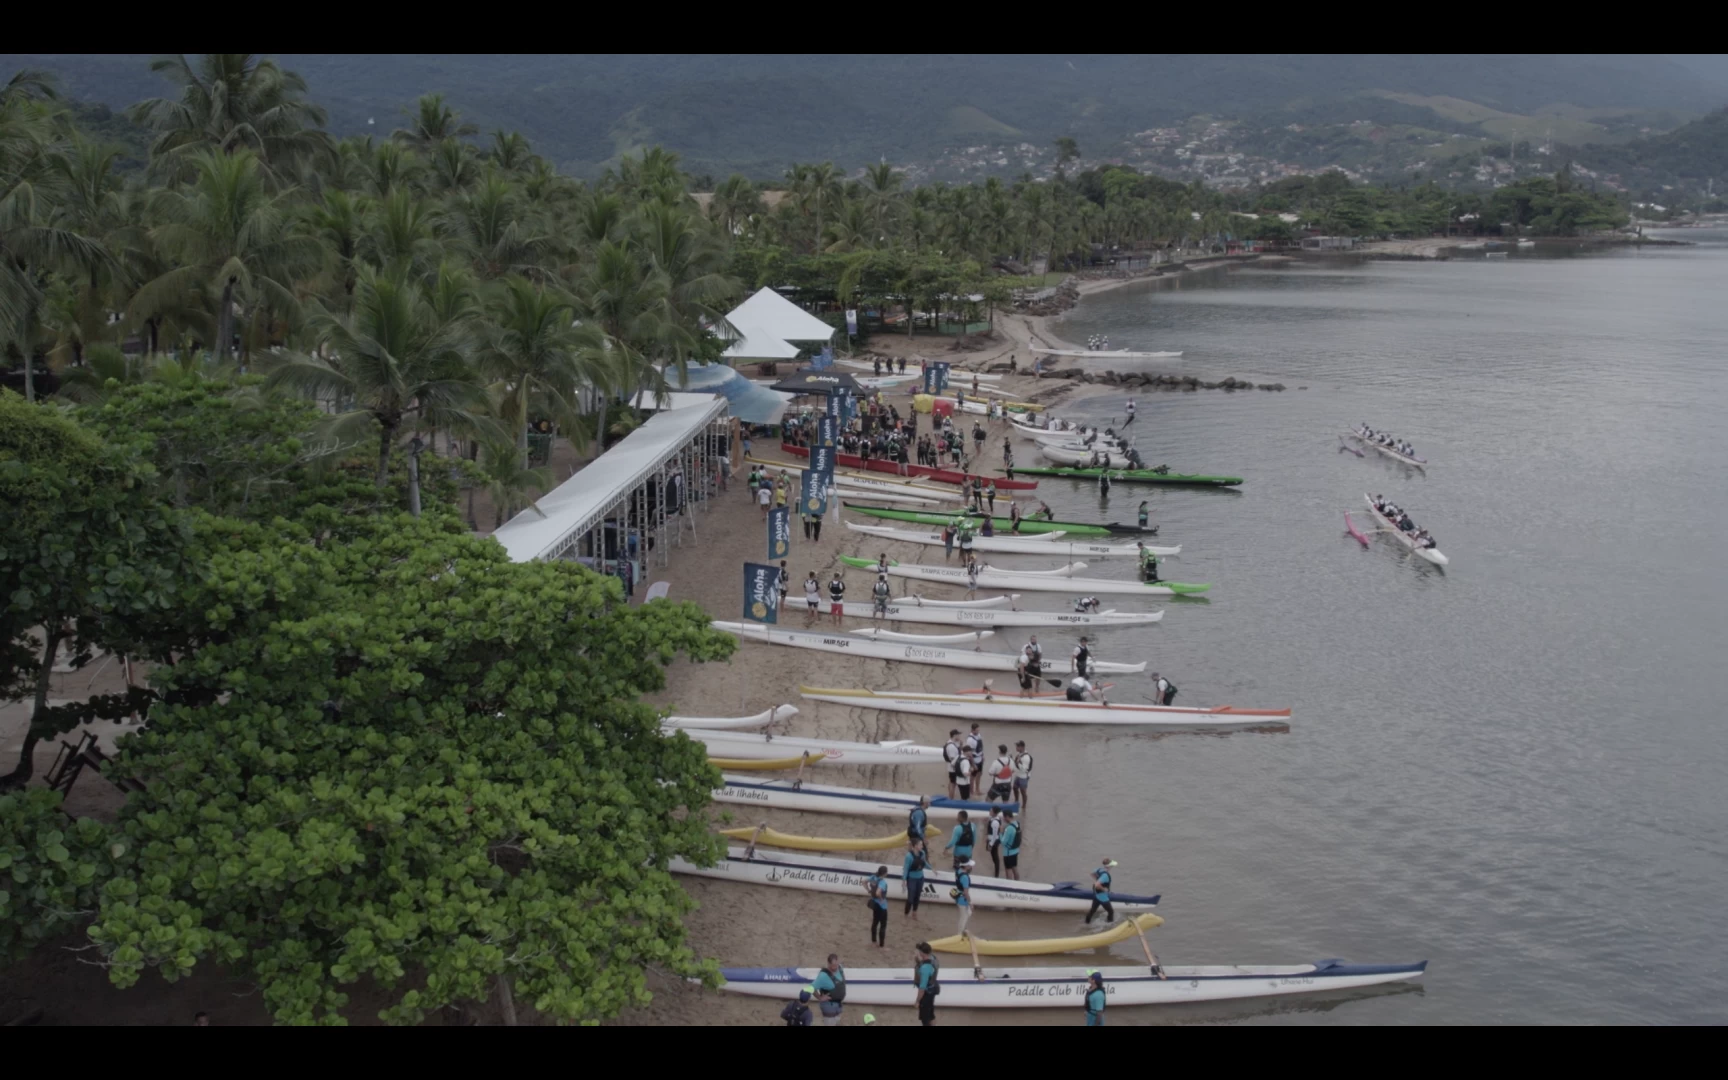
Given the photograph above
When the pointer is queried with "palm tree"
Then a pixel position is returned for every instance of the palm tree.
(234, 102)
(529, 352)
(402, 235)
(735, 203)
(496, 230)
(510, 151)
(624, 299)
(881, 185)
(396, 362)
(431, 123)
(509, 482)
(342, 221)
(235, 248)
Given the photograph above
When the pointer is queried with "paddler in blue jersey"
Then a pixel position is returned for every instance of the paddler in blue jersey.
(962, 839)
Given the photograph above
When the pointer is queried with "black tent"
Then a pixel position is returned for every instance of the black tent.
(811, 381)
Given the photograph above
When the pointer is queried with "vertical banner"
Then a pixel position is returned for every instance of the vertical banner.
(779, 532)
(930, 386)
(852, 321)
(822, 460)
(941, 376)
(832, 407)
(813, 492)
(761, 592)
(828, 432)
(848, 408)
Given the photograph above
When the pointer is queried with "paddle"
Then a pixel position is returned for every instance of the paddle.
(1151, 957)
(977, 966)
(750, 848)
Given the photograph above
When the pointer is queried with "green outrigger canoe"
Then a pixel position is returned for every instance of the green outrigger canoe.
(1136, 476)
(1004, 526)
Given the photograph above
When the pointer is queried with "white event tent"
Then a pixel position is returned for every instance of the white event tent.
(768, 315)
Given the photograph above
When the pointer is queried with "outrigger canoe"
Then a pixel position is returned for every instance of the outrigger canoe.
(1065, 987)
(995, 579)
(776, 839)
(750, 745)
(821, 873)
(1131, 927)
(731, 723)
(1350, 527)
(957, 573)
(1137, 476)
(1042, 544)
(947, 476)
(766, 764)
(884, 650)
(1005, 707)
(874, 481)
(1395, 455)
(924, 639)
(1003, 526)
(826, 799)
(1387, 525)
(1064, 456)
(907, 612)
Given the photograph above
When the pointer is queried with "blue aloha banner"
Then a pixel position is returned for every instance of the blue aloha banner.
(779, 532)
(828, 431)
(848, 408)
(812, 493)
(822, 460)
(931, 386)
(832, 406)
(761, 592)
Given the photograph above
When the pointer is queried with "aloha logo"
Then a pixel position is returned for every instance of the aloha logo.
(759, 609)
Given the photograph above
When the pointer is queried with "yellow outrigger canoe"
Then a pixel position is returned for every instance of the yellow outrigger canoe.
(771, 838)
(1122, 931)
(765, 764)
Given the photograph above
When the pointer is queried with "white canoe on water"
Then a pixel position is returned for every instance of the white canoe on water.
(829, 799)
(826, 873)
(904, 612)
(938, 655)
(970, 638)
(1033, 583)
(749, 744)
(924, 601)
(1083, 458)
(731, 723)
(1039, 544)
(1004, 707)
(957, 574)
(1065, 987)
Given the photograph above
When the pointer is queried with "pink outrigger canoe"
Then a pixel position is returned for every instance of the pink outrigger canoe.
(1350, 527)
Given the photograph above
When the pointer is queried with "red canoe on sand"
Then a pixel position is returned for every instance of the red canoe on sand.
(946, 476)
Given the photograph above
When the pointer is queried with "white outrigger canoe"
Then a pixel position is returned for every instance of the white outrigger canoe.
(1005, 707)
(730, 723)
(1083, 458)
(821, 873)
(903, 610)
(883, 495)
(754, 746)
(1388, 526)
(1396, 455)
(828, 799)
(1108, 354)
(925, 639)
(1065, 987)
(1034, 544)
(884, 650)
(995, 579)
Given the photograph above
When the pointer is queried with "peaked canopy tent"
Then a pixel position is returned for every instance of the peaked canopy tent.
(775, 316)
(811, 381)
(754, 343)
(613, 514)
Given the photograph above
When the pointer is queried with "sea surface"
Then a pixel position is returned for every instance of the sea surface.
(1515, 768)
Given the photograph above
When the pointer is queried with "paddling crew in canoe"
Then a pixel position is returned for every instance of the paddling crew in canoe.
(1401, 519)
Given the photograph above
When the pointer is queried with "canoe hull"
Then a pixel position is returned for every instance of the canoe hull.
(895, 651)
(730, 723)
(957, 574)
(822, 873)
(1004, 707)
(1004, 526)
(1102, 938)
(1137, 476)
(1031, 583)
(1045, 544)
(1431, 555)
(828, 799)
(1065, 987)
(947, 476)
(735, 744)
(913, 613)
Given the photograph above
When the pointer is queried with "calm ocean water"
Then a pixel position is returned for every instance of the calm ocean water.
(1514, 768)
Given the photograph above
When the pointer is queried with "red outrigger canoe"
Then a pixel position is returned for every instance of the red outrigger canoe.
(946, 476)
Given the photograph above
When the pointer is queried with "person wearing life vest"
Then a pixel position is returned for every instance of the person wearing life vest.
(1163, 690)
(962, 893)
(926, 977)
(951, 753)
(912, 874)
(1001, 776)
(1081, 662)
(918, 818)
(961, 840)
(1022, 773)
(1010, 846)
(1145, 513)
(1101, 892)
(797, 1013)
(973, 744)
(993, 839)
(880, 594)
(876, 888)
(830, 986)
(1095, 1000)
(1079, 689)
(837, 597)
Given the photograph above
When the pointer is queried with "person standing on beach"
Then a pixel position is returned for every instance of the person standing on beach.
(837, 597)
(990, 495)
(973, 744)
(918, 819)
(1101, 892)
(880, 594)
(926, 975)
(966, 542)
(962, 839)
(951, 753)
(784, 582)
(1022, 773)
(876, 888)
(812, 598)
(912, 875)
(947, 542)
(1001, 776)
(830, 986)
(1010, 846)
(963, 893)
(815, 528)
(993, 838)
(1013, 513)
(1095, 1000)
(764, 498)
